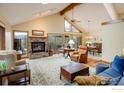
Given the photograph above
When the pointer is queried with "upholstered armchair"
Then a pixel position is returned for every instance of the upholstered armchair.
(11, 57)
(80, 55)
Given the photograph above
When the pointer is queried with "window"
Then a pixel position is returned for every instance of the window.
(8, 40)
(69, 27)
(21, 42)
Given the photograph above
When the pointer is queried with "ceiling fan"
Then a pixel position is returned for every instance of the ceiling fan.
(73, 19)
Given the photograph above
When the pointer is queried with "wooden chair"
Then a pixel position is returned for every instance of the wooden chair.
(97, 49)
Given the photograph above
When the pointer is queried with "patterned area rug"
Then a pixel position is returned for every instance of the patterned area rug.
(46, 71)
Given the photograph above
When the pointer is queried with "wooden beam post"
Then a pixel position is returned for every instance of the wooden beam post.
(68, 8)
(121, 15)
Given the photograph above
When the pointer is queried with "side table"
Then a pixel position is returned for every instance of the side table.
(18, 69)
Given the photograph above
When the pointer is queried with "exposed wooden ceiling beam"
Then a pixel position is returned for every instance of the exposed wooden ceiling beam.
(121, 15)
(79, 28)
(68, 8)
(113, 22)
(111, 10)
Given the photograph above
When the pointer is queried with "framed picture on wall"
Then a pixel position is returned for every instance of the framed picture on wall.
(38, 32)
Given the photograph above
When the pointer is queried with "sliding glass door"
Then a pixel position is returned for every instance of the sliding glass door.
(57, 41)
(77, 41)
(51, 42)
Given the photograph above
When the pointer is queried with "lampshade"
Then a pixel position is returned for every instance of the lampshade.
(71, 42)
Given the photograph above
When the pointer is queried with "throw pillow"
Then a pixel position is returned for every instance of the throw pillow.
(91, 80)
(118, 64)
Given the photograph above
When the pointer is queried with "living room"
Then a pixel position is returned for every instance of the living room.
(61, 44)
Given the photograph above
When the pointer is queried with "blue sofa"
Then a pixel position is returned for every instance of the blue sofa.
(114, 71)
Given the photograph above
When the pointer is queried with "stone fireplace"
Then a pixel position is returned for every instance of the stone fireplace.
(37, 47)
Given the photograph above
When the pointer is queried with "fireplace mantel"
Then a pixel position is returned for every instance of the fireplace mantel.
(37, 37)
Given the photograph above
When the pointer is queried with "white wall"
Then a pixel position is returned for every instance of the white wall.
(6, 24)
(50, 24)
(113, 40)
(9, 40)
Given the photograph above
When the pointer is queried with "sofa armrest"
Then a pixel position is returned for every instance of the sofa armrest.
(20, 62)
(101, 67)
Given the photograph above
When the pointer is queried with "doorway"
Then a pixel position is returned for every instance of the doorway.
(21, 42)
(2, 38)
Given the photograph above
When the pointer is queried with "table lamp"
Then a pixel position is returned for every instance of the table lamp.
(71, 42)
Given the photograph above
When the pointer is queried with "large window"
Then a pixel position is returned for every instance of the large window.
(69, 27)
(21, 42)
(57, 41)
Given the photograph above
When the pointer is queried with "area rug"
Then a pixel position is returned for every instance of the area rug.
(46, 71)
(92, 62)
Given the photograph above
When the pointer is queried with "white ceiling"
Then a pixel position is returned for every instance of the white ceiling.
(17, 13)
(95, 13)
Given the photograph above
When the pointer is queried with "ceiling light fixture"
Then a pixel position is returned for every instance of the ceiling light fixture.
(43, 13)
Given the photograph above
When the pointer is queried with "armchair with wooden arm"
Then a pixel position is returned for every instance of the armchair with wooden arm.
(80, 55)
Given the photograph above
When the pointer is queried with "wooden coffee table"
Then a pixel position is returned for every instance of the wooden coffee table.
(75, 69)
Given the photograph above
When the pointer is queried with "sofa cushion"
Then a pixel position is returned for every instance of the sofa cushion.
(110, 72)
(114, 81)
(121, 82)
(101, 67)
(118, 64)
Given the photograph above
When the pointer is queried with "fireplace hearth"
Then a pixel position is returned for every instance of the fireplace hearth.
(38, 47)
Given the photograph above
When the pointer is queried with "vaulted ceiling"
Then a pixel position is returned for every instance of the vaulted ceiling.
(20, 12)
(17, 13)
